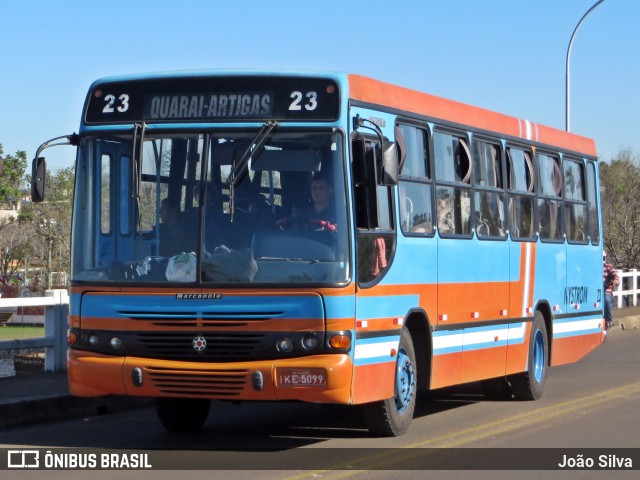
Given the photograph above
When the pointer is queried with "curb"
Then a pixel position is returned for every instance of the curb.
(63, 407)
(627, 323)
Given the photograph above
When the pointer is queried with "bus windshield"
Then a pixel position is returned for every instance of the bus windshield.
(181, 207)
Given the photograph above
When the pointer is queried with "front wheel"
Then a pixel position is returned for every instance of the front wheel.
(529, 385)
(391, 417)
(182, 414)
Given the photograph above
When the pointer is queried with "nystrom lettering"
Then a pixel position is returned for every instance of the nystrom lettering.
(576, 295)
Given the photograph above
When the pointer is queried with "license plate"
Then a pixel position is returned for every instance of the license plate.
(302, 377)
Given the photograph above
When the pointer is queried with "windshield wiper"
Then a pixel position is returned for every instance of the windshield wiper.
(241, 166)
(136, 155)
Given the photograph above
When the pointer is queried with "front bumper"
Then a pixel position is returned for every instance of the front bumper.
(92, 375)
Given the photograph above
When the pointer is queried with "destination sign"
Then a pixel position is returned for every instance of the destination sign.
(207, 99)
(208, 106)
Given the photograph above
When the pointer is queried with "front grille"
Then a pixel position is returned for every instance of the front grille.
(238, 346)
(206, 383)
(192, 319)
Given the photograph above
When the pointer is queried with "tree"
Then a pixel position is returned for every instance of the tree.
(14, 241)
(12, 170)
(50, 221)
(620, 187)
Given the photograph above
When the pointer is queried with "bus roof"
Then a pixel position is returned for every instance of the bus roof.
(368, 90)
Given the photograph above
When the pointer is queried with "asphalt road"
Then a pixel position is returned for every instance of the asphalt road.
(592, 406)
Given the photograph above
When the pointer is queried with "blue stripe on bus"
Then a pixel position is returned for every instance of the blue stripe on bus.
(282, 307)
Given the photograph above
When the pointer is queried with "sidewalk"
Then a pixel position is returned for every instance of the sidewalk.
(45, 397)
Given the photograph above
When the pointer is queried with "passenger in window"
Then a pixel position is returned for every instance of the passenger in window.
(445, 217)
(321, 213)
(488, 217)
(173, 237)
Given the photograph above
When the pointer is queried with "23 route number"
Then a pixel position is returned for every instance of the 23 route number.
(112, 103)
(309, 100)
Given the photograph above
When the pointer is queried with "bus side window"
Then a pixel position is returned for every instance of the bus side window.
(575, 201)
(416, 213)
(453, 177)
(522, 194)
(594, 225)
(550, 198)
(489, 196)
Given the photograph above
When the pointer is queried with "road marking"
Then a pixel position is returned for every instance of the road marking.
(394, 456)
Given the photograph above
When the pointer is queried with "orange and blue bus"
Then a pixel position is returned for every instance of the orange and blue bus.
(454, 245)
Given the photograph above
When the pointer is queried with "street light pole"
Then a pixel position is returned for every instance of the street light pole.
(567, 88)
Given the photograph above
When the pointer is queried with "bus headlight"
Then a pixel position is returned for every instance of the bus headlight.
(116, 343)
(284, 345)
(310, 341)
(93, 340)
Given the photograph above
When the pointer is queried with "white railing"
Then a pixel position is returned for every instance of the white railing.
(56, 311)
(626, 294)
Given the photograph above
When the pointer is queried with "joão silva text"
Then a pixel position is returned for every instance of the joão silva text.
(604, 461)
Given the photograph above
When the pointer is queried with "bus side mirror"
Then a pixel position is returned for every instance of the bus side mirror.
(389, 164)
(38, 177)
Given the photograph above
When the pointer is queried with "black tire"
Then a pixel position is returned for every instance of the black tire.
(529, 385)
(392, 417)
(182, 414)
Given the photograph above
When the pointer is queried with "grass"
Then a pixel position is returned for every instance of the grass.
(18, 332)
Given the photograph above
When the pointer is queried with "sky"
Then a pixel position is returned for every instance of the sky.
(504, 55)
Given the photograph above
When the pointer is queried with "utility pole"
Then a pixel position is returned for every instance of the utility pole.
(567, 76)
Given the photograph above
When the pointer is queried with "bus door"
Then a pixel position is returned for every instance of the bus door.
(114, 202)
(521, 201)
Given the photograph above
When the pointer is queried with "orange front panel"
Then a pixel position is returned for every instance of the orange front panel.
(92, 374)
(373, 382)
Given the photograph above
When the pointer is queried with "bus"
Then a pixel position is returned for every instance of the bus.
(459, 245)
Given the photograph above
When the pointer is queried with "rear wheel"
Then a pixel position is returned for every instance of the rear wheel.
(182, 414)
(530, 384)
(392, 417)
